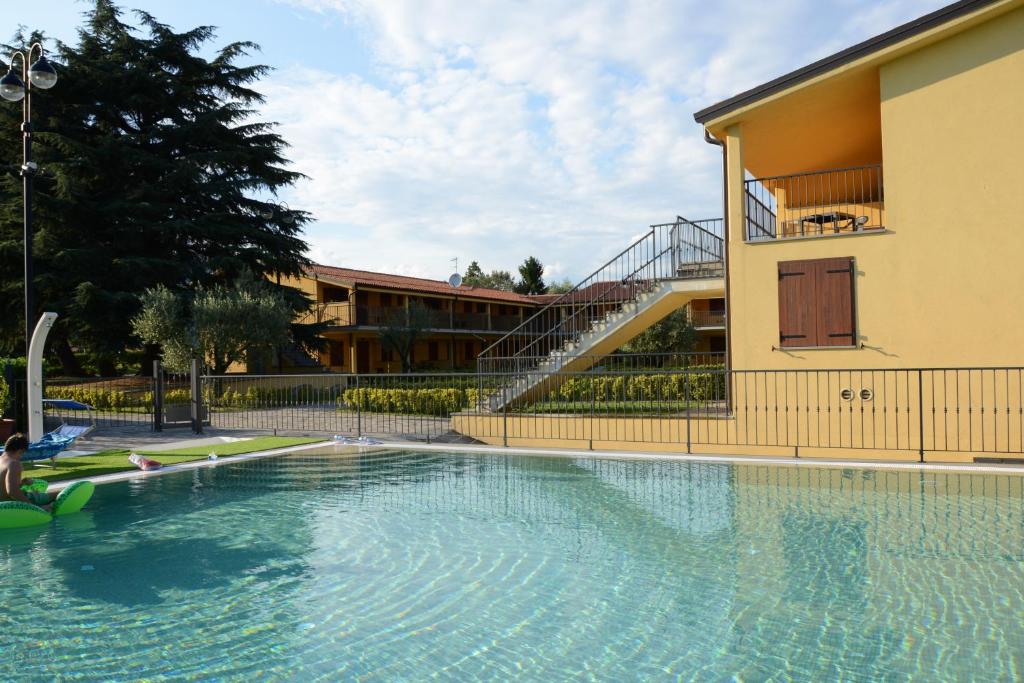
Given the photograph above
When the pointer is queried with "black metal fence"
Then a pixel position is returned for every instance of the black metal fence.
(646, 401)
(902, 412)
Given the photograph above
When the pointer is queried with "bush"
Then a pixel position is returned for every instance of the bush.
(702, 383)
(101, 399)
(269, 397)
(437, 402)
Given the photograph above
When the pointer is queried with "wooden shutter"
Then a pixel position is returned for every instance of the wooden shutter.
(835, 319)
(797, 320)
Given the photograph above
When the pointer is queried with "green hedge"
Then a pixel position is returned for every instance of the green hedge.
(698, 384)
(439, 402)
(257, 397)
(102, 399)
(703, 384)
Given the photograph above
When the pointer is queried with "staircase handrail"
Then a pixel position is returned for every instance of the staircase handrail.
(570, 295)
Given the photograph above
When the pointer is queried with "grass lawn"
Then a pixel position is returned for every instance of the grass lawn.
(105, 462)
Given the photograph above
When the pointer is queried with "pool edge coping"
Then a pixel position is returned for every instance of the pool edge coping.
(189, 465)
(979, 468)
(735, 459)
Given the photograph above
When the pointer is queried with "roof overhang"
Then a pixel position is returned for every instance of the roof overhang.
(869, 54)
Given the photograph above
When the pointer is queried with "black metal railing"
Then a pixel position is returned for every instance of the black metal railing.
(683, 249)
(831, 202)
(906, 413)
(333, 313)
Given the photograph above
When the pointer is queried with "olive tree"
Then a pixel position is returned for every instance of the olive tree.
(219, 326)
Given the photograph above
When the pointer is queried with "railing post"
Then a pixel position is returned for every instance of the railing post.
(504, 412)
(686, 406)
(158, 397)
(197, 398)
(359, 409)
(920, 414)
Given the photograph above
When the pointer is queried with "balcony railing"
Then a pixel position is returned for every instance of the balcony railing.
(707, 318)
(344, 314)
(334, 313)
(834, 202)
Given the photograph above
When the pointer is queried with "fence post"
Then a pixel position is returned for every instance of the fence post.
(197, 398)
(686, 407)
(359, 409)
(158, 397)
(504, 411)
(920, 414)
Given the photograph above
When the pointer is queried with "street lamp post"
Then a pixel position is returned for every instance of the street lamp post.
(14, 88)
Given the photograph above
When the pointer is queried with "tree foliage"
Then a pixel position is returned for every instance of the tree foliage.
(531, 277)
(561, 286)
(157, 174)
(402, 329)
(496, 279)
(220, 326)
(672, 334)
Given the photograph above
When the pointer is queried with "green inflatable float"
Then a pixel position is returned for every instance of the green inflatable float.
(14, 513)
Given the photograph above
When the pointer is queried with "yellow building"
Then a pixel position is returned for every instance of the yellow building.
(462, 321)
(872, 260)
(873, 202)
(356, 304)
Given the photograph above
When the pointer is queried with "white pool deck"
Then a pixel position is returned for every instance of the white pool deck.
(342, 448)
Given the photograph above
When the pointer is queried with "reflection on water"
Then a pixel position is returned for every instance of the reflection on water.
(399, 565)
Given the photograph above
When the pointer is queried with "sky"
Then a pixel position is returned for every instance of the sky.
(434, 130)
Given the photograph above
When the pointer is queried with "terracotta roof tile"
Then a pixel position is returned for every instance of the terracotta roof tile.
(415, 284)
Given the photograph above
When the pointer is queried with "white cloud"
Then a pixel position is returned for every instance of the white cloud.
(493, 131)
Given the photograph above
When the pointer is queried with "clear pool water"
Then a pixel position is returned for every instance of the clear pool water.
(413, 565)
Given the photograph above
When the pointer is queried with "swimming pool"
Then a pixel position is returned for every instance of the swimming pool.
(411, 564)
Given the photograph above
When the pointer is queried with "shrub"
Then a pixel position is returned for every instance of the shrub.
(437, 402)
(100, 398)
(697, 384)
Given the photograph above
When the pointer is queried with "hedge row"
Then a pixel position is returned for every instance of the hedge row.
(102, 399)
(254, 397)
(694, 385)
(439, 402)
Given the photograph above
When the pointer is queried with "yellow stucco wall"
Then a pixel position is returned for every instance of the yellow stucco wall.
(942, 286)
(723, 436)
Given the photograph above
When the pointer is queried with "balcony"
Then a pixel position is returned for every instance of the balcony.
(706, 319)
(336, 313)
(816, 204)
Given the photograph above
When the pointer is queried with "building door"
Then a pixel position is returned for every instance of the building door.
(363, 356)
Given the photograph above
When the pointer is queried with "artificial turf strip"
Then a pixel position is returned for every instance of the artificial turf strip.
(93, 465)
(260, 443)
(106, 462)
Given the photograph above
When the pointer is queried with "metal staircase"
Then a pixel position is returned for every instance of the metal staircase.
(670, 265)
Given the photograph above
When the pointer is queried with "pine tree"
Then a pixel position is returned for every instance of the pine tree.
(160, 175)
(531, 275)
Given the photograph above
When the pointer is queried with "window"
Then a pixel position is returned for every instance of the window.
(716, 305)
(385, 299)
(716, 344)
(335, 353)
(470, 350)
(481, 308)
(816, 303)
(432, 351)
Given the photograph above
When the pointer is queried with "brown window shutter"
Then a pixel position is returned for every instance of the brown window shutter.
(797, 319)
(835, 320)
